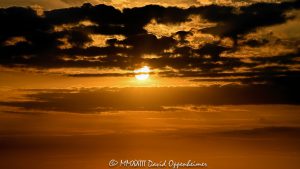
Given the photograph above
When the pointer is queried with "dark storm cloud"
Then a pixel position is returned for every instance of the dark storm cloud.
(144, 44)
(256, 43)
(234, 22)
(42, 41)
(111, 99)
(58, 34)
(213, 50)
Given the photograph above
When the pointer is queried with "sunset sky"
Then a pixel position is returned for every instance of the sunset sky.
(86, 81)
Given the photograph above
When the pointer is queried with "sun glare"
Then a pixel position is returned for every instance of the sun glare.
(142, 73)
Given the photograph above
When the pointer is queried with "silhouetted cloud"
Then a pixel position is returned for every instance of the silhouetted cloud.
(266, 132)
(64, 38)
(247, 18)
(110, 99)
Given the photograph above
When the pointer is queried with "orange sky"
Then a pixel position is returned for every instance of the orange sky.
(210, 81)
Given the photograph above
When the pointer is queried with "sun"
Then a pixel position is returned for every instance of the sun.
(142, 73)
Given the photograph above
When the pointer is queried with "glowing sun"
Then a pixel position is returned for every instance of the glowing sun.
(142, 73)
